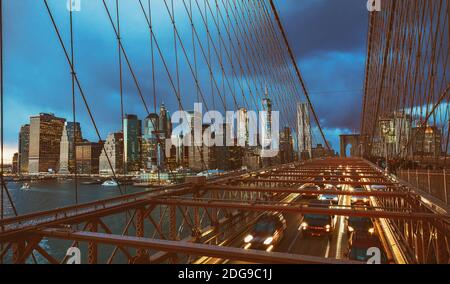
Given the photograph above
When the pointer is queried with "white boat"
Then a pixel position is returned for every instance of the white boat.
(110, 183)
(26, 186)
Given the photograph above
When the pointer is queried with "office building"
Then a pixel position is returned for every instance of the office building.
(24, 148)
(304, 140)
(88, 157)
(15, 163)
(45, 142)
(132, 143)
(286, 154)
(150, 142)
(242, 127)
(71, 134)
(427, 141)
(113, 149)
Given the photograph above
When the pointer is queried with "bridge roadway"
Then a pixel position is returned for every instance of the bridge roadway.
(293, 247)
(294, 242)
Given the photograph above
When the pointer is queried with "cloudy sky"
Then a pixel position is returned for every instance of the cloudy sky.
(328, 38)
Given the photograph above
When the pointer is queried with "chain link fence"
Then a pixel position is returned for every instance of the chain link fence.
(435, 183)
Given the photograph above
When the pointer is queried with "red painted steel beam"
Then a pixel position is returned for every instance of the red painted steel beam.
(299, 191)
(298, 181)
(296, 208)
(181, 247)
(319, 176)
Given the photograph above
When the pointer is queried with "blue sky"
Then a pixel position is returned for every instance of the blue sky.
(328, 38)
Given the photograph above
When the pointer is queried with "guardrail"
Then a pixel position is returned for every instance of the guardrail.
(435, 183)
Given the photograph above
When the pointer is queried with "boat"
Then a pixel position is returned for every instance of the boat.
(25, 186)
(110, 183)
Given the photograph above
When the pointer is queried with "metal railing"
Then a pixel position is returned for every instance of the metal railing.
(435, 183)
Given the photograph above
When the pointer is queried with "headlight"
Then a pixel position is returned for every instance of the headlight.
(304, 225)
(336, 199)
(350, 229)
(248, 238)
(371, 230)
(268, 241)
(365, 200)
(354, 199)
(327, 227)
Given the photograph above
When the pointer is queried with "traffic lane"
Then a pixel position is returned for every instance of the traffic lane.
(295, 243)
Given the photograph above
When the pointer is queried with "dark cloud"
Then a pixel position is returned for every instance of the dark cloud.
(328, 37)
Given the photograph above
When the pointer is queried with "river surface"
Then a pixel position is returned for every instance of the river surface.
(52, 195)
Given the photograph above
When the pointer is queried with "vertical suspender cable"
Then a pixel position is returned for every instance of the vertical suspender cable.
(297, 70)
(122, 115)
(74, 139)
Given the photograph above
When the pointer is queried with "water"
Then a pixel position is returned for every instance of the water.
(47, 196)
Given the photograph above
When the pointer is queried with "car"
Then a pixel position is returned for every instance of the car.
(363, 247)
(359, 199)
(318, 224)
(334, 198)
(359, 224)
(318, 180)
(313, 191)
(267, 232)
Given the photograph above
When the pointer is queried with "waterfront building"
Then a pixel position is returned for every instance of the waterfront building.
(113, 149)
(71, 134)
(132, 143)
(15, 163)
(88, 157)
(45, 141)
(24, 148)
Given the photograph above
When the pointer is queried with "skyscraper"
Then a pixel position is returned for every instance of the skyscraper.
(113, 149)
(71, 133)
(15, 163)
(266, 122)
(304, 131)
(132, 140)
(45, 139)
(286, 146)
(165, 123)
(150, 142)
(242, 127)
(88, 157)
(24, 148)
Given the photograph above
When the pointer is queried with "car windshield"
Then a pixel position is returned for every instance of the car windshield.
(359, 220)
(359, 254)
(265, 227)
(317, 217)
(310, 188)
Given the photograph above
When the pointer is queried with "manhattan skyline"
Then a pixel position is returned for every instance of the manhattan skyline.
(36, 74)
